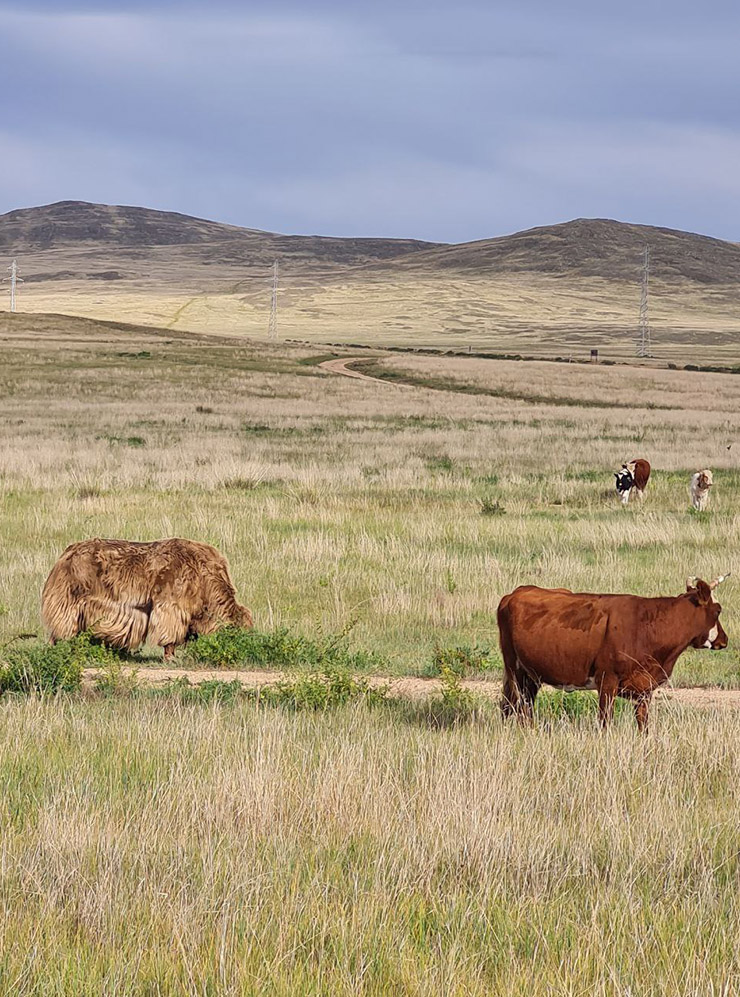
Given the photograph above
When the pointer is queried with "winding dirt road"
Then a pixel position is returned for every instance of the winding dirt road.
(339, 366)
(404, 686)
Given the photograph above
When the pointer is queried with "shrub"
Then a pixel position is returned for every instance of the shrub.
(243, 484)
(461, 660)
(88, 491)
(113, 681)
(50, 668)
(232, 646)
(211, 691)
(441, 464)
(332, 687)
(452, 706)
(314, 690)
(556, 706)
(491, 507)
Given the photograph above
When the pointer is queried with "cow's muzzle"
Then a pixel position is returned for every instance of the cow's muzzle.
(716, 639)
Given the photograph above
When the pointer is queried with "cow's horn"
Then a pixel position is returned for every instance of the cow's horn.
(718, 581)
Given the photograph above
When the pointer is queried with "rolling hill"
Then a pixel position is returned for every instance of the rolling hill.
(593, 247)
(102, 228)
(555, 289)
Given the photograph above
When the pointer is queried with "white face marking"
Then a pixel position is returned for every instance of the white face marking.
(625, 497)
(712, 636)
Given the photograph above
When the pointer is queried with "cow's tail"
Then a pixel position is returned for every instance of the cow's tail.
(511, 691)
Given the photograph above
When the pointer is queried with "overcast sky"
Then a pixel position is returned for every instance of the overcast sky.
(436, 120)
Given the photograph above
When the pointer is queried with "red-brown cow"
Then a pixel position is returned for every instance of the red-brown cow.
(619, 645)
(634, 475)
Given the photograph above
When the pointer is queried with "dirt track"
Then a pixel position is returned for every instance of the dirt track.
(410, 687)
(340, 367)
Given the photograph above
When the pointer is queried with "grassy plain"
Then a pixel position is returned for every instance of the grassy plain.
(339, 501)
(533, 314)
(153, 847)
(150, 848)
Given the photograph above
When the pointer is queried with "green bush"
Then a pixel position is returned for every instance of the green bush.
(212, 691)
(35, 667)
(491, 507)
(315, 690)
(463, 659)
(232, 647)
(554, 705)
(332, 687)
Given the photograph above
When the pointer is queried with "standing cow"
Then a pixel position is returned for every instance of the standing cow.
(619, 645)
(127, 592)
(701, 482)
(634, 475)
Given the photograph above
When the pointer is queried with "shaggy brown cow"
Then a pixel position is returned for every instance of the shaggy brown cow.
(127, 592)
(620, 645)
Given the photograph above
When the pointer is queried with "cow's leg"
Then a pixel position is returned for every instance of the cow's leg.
(530, 687)
(607, 692)
(625, 497)
(512, 695)
(642, 708)
(511, 699)
(168, 627)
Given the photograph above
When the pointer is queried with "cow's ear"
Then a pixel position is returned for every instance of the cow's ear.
(703, 592)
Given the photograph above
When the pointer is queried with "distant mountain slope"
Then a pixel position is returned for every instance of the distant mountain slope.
(81, 225)
(556, 290)
(592, 247)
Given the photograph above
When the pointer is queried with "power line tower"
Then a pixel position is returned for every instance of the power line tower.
(14, 279)
(644, 348)
(272, 328)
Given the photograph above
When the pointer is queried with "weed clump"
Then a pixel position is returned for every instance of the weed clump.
(243, 484)
(463, 659)
(332, 687)
(327, 689)
(440, 465)
(491, 507)
(232, 646)
(35, 667)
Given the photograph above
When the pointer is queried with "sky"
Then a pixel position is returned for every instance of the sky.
(436, 120)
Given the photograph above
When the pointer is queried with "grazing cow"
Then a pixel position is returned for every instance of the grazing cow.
(635, 474)
(701, 482)
(619, 645)
(127, 592)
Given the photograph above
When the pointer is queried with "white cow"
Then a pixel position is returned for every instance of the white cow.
(701, 482)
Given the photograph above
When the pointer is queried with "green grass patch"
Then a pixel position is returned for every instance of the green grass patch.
(324, 689)
(375, 369)
(233, 647)
(36, 667)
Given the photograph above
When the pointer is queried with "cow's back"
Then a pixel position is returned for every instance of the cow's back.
(641, 473)
(554, 633)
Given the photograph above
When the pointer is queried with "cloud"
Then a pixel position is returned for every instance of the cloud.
(440, 121)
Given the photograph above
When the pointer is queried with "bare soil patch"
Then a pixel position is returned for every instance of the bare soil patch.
(401, 687)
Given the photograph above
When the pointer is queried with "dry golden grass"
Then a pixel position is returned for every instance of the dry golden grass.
(528, 313)
(337, 500)
(150, 848)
